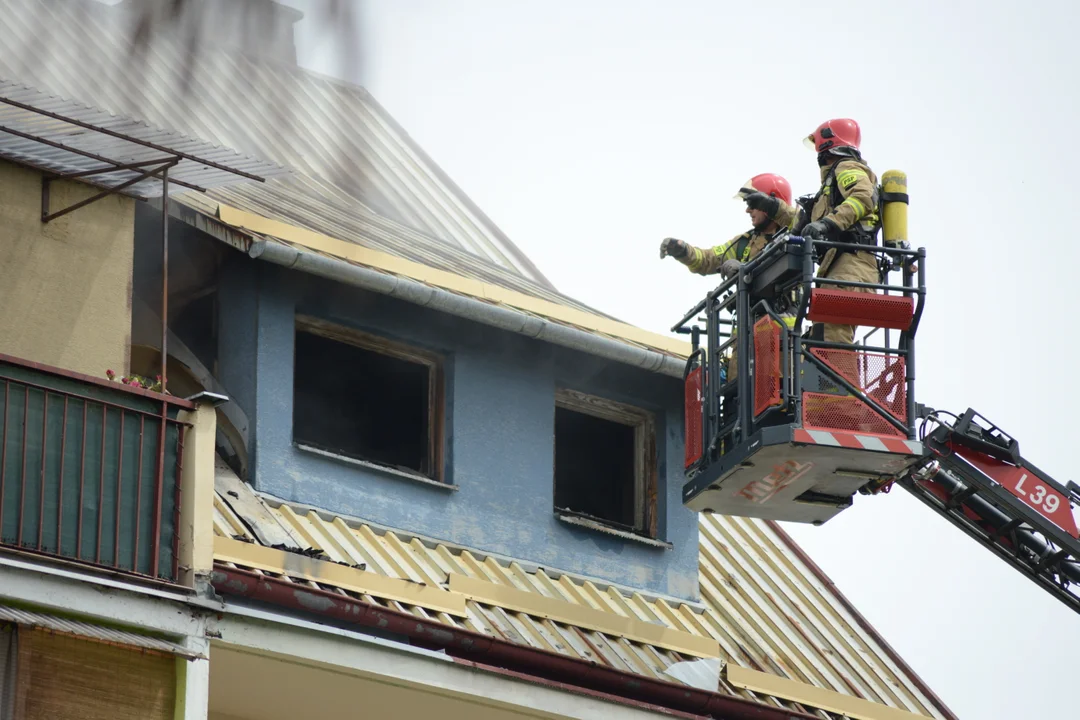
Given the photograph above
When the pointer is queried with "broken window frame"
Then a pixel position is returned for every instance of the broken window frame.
(645, 461)
(436, 400)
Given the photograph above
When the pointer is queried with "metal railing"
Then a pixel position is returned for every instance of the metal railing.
(90, 470)
(783, 275)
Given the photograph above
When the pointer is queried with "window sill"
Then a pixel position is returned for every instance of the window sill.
(598, 526)
(382, 469)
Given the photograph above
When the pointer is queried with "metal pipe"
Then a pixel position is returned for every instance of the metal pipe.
(44, 457)
(101, 483)
(861, 621)
(74, 151)
(119, 493)
(862, 348)
(469, 308)
(128, 138)
(875, 249)
(844, 383)
(159, 475)
(164, 276)
(60, 487)
(468, 645)
(712, 383)
(742, 325)
(855, 284)
(3, 452)
(82, 486)
(22, 488)
(138, 492)
(104, 193)
(907, 339)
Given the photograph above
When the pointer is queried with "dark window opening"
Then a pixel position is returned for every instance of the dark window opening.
(594, 467)
(605, 464)
(366, 399)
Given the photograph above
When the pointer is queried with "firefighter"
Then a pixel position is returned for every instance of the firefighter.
(768, 203)
(844, 210)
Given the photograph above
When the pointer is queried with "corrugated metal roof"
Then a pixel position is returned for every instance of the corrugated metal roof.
(313, 204)
(62, 135)
(328, 129)
(90, 631)
(763, 606)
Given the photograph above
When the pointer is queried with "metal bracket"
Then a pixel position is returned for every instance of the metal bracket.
(157, 167)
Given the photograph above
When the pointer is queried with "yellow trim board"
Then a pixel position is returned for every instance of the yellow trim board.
(581, 616)
(447, 280)
(342, 576)
(853, 707)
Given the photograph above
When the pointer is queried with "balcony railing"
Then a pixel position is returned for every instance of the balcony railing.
(89, 470)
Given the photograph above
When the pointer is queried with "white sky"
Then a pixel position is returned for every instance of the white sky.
(590, 130)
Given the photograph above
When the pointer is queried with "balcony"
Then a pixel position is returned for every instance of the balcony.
(90, 470)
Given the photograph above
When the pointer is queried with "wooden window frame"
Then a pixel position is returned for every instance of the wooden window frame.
(645, 463)
(436, 400)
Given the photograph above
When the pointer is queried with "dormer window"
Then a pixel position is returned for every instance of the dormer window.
(605, 463)
(368, 399)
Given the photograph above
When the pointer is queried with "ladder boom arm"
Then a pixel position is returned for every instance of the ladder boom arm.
(973, 475)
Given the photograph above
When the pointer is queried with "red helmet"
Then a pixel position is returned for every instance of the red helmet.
(832, 135)
(768, 183)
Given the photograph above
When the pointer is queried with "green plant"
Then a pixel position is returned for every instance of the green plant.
(136, 381)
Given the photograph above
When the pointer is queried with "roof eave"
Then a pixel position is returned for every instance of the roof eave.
(405, 288)
(475, 647)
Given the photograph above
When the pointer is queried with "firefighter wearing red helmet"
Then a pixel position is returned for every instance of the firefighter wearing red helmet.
(844, 210)
(768, 203)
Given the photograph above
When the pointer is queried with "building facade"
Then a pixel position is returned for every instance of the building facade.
(394, 472)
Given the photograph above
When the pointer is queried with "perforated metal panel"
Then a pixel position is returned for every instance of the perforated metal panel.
(692, 408)
(846, 414)
(882, 377)
(861, 308)
(767, 376)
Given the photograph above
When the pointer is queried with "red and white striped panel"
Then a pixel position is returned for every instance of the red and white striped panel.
(856, 441)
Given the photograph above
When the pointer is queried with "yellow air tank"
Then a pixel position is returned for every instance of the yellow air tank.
(894, 205)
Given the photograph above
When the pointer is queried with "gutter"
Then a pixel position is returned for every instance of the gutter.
(498, 316)
(465, 645)
(863, 623)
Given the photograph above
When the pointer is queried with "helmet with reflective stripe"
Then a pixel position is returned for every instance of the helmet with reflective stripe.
(767, 183)
(839, 137)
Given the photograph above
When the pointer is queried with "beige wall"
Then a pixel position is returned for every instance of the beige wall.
(197, 489)
(65, 286)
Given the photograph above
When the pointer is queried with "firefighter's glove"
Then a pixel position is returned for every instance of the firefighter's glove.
(766, 204)
(821, 230)
(730, 267)
(673, 247)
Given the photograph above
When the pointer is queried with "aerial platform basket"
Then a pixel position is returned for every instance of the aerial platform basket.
(805, 425)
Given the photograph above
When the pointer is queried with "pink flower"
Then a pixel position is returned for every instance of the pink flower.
(110, 374)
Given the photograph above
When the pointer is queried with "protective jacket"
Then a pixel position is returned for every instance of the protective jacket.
(744, 247)
(848, 197)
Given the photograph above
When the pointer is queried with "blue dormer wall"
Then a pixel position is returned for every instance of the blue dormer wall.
(499, 455)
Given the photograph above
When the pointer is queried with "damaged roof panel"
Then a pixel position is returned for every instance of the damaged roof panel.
(761, 609)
